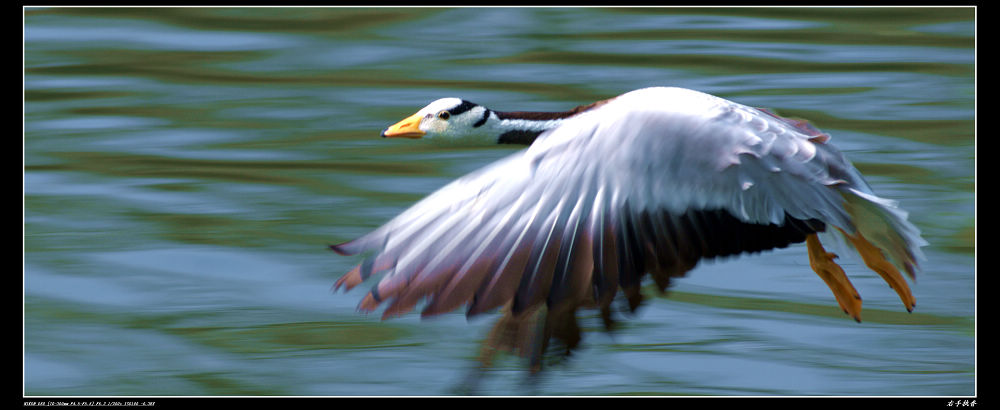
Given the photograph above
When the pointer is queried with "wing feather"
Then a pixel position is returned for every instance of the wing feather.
(652, 181)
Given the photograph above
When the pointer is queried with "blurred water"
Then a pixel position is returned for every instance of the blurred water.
(184, 169)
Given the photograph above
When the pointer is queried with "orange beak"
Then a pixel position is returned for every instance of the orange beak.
(407, 128)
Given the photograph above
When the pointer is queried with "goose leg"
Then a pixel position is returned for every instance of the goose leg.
(876, 261)
(523, 334)
(538, 342)
(822, 263)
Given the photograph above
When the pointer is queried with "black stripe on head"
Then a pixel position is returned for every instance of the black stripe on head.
(486, 116)
(461, 108)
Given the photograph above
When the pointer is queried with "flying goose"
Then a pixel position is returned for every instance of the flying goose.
(651, 181)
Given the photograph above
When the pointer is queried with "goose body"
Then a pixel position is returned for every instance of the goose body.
(649, 182)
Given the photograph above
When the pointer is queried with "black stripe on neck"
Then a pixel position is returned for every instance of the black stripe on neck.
(520, 137)
(533, 116)
(486, 116)
(545, 116)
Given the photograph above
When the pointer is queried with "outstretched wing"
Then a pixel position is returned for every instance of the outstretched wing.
(652, 181)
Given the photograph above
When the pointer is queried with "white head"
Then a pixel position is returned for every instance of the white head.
(447, 119)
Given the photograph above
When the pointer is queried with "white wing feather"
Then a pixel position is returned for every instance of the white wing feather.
(651, 150)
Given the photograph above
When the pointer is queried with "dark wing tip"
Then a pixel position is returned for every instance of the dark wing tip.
(343, 249)
(349, 280)
(803, 126)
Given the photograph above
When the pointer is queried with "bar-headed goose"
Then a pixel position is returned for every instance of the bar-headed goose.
(651, 181)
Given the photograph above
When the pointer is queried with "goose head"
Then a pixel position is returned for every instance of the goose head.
(447, 119)
(455, 120)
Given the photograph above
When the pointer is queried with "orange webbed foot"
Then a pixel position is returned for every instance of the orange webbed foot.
(875, 260)
(822, 263)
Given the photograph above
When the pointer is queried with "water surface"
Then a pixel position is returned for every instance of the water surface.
(184, 169)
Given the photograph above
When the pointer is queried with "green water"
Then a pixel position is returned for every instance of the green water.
(184, 169)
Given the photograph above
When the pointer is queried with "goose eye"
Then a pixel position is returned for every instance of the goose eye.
(444, 115)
